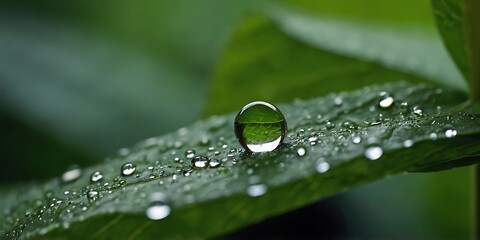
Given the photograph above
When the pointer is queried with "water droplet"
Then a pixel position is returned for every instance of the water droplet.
(214, 163)
(433, 136)
(301, 151)
(338, 100)
(417, 111)
(71, 175)
(157, 210)
(189, 154)
(322, 166)
(96, 176)
(256, 190)
(450, 132)
(128, 169)
(187, 172)
(330, 125)
(200, 162)
(260, 127)
(373, 152)
(386, 100)
(92, 195)
(408, 143)
(356, 139)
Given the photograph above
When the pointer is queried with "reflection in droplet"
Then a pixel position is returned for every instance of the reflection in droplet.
(256, 190)
(356, 139)
(128, 169)
(71, 175)
(96, 176)
(373, 152)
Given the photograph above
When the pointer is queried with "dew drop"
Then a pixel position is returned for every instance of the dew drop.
(260, 127)
(322, 166)
(214, 163)
(189, 154)
(450, 132)
(92, 195)
(200, 162)
(386, 100)
(256, 190)
(408, 143)
(373, 152)
(157, 210)
(128, 169)
(356, 139)
(96, 176)
(71, 175)
(301, 152)
(417, 111)
(433, 136)
(330, 125)
(338, 101)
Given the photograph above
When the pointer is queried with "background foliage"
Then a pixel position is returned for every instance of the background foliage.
(83, 79)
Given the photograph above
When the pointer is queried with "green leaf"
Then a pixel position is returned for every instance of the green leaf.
(320, 157)
(450, 19)
(314, 56)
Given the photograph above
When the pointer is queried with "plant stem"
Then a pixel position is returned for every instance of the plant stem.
(472, 34)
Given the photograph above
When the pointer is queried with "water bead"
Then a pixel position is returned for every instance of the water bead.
(260, 127)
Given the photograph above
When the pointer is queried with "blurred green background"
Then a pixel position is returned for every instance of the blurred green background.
(81, 79)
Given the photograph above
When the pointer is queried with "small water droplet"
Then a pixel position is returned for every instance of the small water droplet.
(214, 163)
(356, 139)
(417, 111)
(189, 154)
(338, 100)
(260, 127)
(433, 136)
(71, 175)
(450, 132)
(386, 100)
(330, 125)
(256, 190)
(158, 210)
(200, 162)
(408, 143)
(301, 151)
(96, 176)
(128, 169)
(322, 166)
(373, 152)
(92, 195)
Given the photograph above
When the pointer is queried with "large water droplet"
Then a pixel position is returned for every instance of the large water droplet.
(96, 176)
(128, 169)
(71, 175)
(386, 100)
(256, 190)
(260, 127)
(200, 162)
(373, 152)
